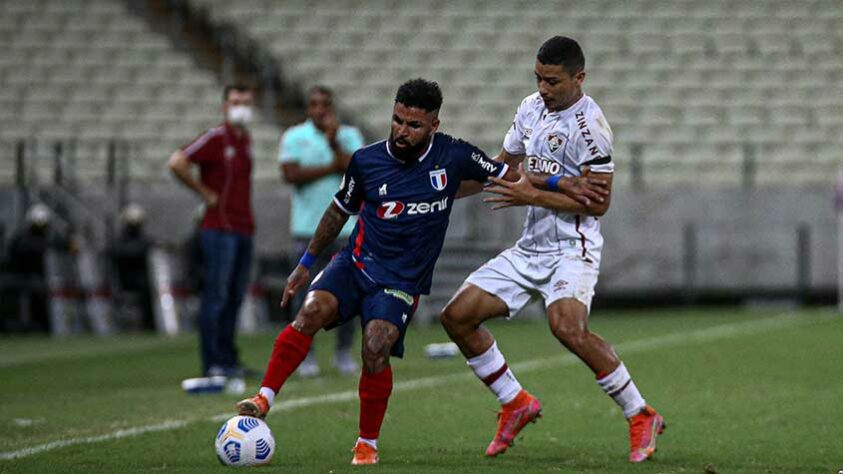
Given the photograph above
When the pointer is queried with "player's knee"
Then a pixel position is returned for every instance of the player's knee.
(570, 334)
(311, 317)
(455, 320)
(375, 356)
(449, 318)
(378, 339)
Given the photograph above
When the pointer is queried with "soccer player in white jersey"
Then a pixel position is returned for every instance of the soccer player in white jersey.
(559, 134)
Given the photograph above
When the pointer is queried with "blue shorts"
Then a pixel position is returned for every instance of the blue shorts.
(359, 295)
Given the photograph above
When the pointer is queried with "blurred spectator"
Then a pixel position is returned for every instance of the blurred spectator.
(313, 157)
(25, 260)
(223, 155)
(129, 259)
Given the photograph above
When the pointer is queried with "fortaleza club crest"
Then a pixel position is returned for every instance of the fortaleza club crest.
(554, 142)
(438, 179)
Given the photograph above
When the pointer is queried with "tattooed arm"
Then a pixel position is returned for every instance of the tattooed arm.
(329, 228)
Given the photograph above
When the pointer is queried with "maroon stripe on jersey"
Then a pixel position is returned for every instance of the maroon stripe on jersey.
(618, 391)
(358, 244)
(491, 378)
(582, 236)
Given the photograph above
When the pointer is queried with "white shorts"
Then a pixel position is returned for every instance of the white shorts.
(518, 277)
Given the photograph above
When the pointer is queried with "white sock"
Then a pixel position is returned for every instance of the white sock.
(622, 389)
(371, 442)
(491, 368)
(269, 394)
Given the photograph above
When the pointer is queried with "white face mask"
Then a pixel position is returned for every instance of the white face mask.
(240, 114)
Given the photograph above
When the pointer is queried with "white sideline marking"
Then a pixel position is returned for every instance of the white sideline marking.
(722, 331)
(165, 426)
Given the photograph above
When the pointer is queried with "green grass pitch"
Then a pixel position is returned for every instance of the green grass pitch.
(741, 391)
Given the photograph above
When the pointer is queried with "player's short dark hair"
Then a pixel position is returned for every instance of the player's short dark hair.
(239, 87)
(420, 93)
(562, 51)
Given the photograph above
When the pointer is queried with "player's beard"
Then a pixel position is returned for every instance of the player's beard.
(408, 154)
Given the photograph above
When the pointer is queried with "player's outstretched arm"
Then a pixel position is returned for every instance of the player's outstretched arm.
(327, 232)
(470, 188)
(523, 193)
(585, 189)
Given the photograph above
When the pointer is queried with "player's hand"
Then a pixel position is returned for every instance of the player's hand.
(211, 199)
(585, 189)
(295, 281)
(512, 193)
(330, 126)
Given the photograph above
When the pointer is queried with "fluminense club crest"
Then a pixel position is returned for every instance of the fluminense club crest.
(554, 142)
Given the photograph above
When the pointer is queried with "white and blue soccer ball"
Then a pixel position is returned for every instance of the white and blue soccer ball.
(245, 441)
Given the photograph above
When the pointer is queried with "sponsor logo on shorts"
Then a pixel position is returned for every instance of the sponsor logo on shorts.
(560, 285)
(405, 297)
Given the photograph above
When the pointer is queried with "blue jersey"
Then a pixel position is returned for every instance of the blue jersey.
(405, 208)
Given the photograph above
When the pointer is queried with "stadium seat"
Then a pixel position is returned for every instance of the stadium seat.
(94, 71)
(709, 73)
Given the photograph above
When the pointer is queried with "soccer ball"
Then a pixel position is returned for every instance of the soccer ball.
(245, 441)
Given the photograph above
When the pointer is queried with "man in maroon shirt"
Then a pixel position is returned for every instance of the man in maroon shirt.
(224, 157)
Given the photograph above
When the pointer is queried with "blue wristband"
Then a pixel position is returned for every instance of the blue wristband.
(307, 260)
(553, 182)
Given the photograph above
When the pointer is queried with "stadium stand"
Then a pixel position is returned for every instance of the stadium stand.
(93, 71)
(692, 82)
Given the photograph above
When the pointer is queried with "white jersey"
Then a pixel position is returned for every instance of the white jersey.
(561, 143)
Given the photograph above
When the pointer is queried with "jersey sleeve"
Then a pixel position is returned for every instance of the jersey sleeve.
(290, 146)
(203, 149)
(513, 142)
(593, 145)
(350, 196)
(479, 167)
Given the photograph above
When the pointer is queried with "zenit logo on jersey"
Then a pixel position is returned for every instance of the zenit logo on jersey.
(439, 179)
(393, 209)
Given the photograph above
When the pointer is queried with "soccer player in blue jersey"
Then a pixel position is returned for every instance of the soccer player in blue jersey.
(403, 189)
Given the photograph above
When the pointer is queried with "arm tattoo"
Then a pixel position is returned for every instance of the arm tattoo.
(329, 228)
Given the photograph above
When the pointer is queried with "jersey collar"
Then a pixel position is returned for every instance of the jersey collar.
(561, 113)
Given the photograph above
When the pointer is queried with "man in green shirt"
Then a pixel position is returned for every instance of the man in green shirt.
(313, 157)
